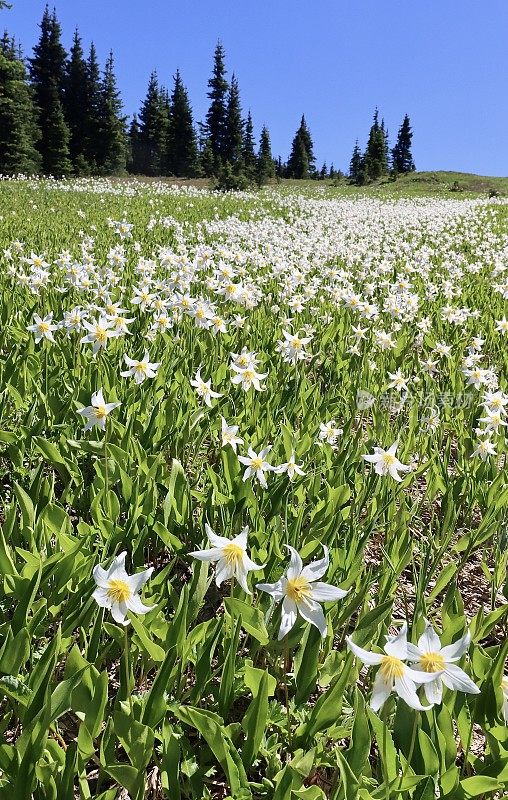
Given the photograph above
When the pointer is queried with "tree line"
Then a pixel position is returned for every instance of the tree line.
(62, 115)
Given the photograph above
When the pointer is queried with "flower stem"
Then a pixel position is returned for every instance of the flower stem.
(126, 662)
(411, 748)
(106, 478)
(384, 765)
(286, 693)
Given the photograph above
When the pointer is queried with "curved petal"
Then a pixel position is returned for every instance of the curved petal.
(366, 656)
(119, 612)
(249, 565)
(397, 645)
(216, 541)
(207, 555)
(434, 691)
(429, 641)
(295, 564)
(288, 617)
(457, 649)
(325, 592)
(419, 676)
(316, 569)
(100, 576)
(223, 571)
(139, 579)
(134, 604)
(455, 678)
(241, 539)
(313, 613)
(274, 589)
(241, 577)
(406, 689)
(101, 597)
(381, 691)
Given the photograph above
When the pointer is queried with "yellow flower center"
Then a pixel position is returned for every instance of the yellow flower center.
(391, 668)
(248, 374)
(297, 343)
(389, 459)
(233, 553)
(101, 412)
(142, 367)
(257, 463)
(43, 327)
(118, 590)
(101, 335)
(298, 589)
(432, 662)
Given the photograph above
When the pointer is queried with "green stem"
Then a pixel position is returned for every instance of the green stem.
(384, 765)
(127, 671)
(106, 477)
(286, 693)
(411, 748)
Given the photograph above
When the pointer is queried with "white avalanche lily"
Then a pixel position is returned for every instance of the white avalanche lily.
(118, 591)
(229, 434)
(256, 465)
(386, 463)
(140, 370)
(430, 657)
(43, 328)
(301, 592)
(97, 413)
(393, 675)
(231, 556)
(204, 389)
(291, 467)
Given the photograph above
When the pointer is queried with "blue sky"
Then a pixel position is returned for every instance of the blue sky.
(445, 62)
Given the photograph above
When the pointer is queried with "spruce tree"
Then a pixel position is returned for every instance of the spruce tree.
(182, 147)
(265, 166)
(248, 149)
(153, 130)
(234, 127)
(216, 118)
(355, 165)
(402, 158)
(93, 111)
(301, 160)
(47, 72)
(133, 147)
(76, 106)
(375, 163)
(112, 152)
(18, 129)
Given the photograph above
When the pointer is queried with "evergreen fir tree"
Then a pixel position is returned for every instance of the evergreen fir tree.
(375, 163)
(402, 158)
(133, 155)
(153, 130)
(216, 118)
(76, 106)
(331, 171)
(301, 160)
(265, 166)
(18, 129)
(387, 153)
(92, 150)
(112, 151)
(182, 149)
(47, 72)
(355, 165)
(234, 127)
(248, 148)
(323, 172)
(280, 168)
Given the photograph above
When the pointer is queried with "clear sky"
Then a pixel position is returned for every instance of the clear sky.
(444, 62)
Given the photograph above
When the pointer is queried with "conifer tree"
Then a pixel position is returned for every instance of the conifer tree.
(355, 165)
(112, 152)
(402, 158)
(301, 160)
(133, 148)
(375, 164)
(47, 72)
(234, 127)
(248, 148)
(182, 148)
(93, 111)
(18, 129)
(216, 118)
(323, 172)
(265, 166)
(76, 105)
(153, 130)
(331, 171)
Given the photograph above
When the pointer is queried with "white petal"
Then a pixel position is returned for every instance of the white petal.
(457, 649)
(434, 691)
(325, 592)
(101, 597)
(381, 690)
(295, 564)
(316, 569)
(216, 541)
(455, 678)
(134, 604)
(313, 613)
(366, 656)
(420, 676)
(274, 589)
(207, 555)
(406, 689)
(429, 641)
(397, 645)
(119, 614)
(223, 571)
(288, 617)
(139, 579)
(100, 576)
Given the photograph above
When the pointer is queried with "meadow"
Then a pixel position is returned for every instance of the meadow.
(253, 492)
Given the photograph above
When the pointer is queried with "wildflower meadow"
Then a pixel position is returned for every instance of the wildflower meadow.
(253, 493)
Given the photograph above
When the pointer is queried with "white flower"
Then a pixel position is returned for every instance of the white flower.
(231, 556)
(229, 434)
(328, 432)
(393, 674)
(99, 332)
(96, 413)
(429, 656)
(140, 370)
(118, 591)
(485, 449)
(301, 592)
(291, 467)
(43, 328)
(256, 465)
(203, 389)
(248, 377)
(398, 381)
(386, 463)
